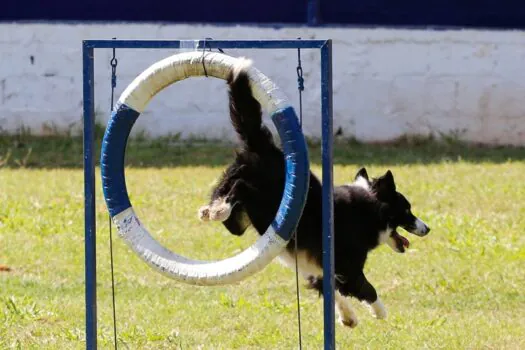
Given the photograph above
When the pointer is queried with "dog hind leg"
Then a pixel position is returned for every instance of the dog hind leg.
(347, 316)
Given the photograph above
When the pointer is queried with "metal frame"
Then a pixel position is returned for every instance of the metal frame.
(88, 51)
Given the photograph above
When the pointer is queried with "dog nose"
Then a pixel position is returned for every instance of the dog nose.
(427, 229)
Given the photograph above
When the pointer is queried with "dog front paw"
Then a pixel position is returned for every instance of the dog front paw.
(220, 214)
(204, 213)
(220, 210)
(378, 310)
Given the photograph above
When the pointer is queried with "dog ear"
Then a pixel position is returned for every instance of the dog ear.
(385, 184)
(362, 173)
(390, 178)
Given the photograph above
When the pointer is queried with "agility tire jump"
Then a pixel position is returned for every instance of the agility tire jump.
(129, 106)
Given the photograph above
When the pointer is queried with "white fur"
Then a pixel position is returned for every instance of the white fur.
(204, 213)
(218, 210)
(361, 182)
(307, 267)
(378, 310)
(243, 65)
(385, 237)
(343, 307)
(421, 227)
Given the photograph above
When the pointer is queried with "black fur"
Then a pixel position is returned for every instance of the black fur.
(253, 184)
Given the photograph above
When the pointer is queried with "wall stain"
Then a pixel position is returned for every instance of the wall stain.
(2, 91)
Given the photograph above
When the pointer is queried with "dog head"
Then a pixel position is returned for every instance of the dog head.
(397, 209)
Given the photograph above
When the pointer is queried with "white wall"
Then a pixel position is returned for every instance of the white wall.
(387, 83)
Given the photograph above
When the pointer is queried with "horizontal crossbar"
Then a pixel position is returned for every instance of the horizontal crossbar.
(208, 43)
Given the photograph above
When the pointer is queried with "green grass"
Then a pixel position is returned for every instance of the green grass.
(461, 287)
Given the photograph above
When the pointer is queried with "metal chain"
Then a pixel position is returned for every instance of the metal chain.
(203, 53)
(113, 64)
(300, 88)
(300, 85)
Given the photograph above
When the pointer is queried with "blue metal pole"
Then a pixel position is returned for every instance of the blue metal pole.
(89, 197)
(224, 44)
(328, 188)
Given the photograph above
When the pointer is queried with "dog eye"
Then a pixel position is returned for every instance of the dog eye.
(407, 211)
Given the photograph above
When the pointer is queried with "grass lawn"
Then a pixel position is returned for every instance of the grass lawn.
(461, 287)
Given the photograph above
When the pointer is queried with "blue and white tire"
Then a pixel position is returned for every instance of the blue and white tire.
(133, 101)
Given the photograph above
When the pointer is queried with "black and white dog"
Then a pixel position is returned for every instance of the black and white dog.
(367, 212)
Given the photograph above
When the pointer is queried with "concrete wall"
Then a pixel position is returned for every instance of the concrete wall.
(387, 83)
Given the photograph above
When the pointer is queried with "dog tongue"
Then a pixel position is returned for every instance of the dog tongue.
(405, 241)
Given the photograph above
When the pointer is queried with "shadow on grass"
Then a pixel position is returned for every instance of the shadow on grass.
(67, 152)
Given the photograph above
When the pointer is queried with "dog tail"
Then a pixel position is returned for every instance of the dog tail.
(245, 110)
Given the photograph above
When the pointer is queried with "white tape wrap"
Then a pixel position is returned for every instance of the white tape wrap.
(190, 64)
(227, 271)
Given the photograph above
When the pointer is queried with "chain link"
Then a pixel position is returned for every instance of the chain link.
(300, 79)
(113, 63)
(300, 87)
(300, 84)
